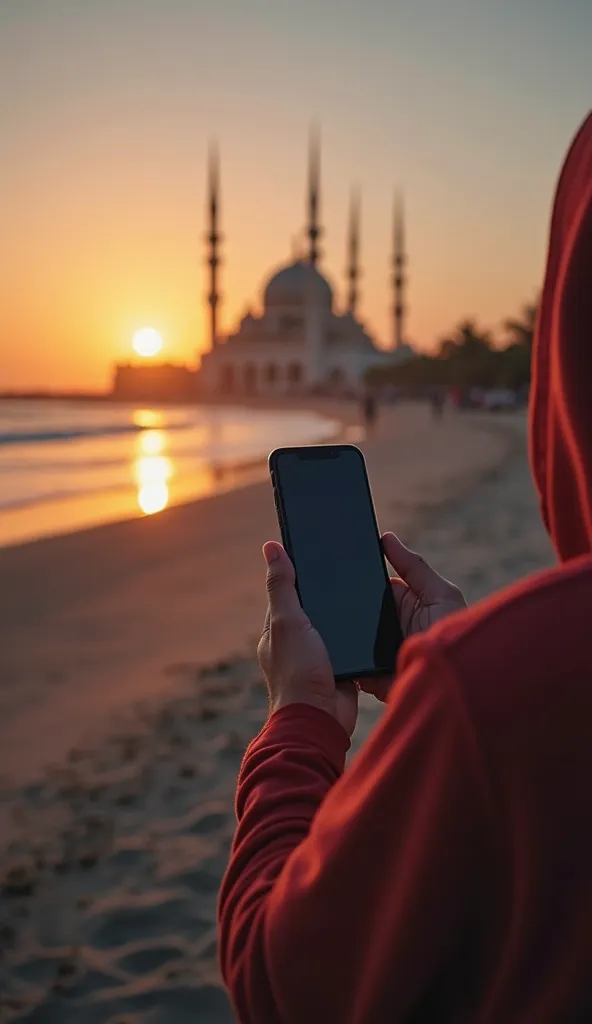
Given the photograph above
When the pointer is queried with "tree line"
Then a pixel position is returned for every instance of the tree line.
(470, 358)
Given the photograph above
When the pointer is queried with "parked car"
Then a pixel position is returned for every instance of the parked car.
(499, 400)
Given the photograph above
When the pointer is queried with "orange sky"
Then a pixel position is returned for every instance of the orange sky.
(107, 110)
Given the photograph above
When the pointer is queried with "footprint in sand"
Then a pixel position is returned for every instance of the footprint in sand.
(123, 917)
(149, 957)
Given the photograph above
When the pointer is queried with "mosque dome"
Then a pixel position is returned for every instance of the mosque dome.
(289, 286)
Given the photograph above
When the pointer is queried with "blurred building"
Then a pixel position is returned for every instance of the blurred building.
(300, 341)
(154, 382)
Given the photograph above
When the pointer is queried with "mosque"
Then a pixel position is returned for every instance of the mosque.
(301, 341)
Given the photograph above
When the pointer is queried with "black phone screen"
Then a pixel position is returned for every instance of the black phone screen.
(329, 529)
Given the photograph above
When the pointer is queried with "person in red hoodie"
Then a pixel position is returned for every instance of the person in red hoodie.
(447, 874)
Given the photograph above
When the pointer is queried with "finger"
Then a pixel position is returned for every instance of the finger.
(377, 687)
(400, 590)
(412, 568)
(405, 602)
(281, 581)
(263, 645)
(267, 622)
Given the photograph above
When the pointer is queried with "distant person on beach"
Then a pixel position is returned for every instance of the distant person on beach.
(446, 875)
(456, 398)
(437, 400)
(369, 409)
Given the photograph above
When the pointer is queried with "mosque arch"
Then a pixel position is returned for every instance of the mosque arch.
(271, 374)
(295, 374)
(337, 377)
(250, 378)
(228, 377)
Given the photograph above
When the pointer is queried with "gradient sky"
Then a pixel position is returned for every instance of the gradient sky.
(107, 108)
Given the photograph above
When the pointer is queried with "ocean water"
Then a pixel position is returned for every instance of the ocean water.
(69, 465)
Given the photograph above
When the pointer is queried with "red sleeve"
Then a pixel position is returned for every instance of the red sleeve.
(354, 914)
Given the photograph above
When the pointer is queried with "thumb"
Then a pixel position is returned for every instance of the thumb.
(281, 580)
(412, 568)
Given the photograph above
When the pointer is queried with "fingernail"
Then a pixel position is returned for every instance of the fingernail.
(270, 553)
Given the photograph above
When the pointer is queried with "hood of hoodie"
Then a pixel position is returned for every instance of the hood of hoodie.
(561, 394)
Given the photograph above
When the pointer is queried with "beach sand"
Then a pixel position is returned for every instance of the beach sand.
(128, 691)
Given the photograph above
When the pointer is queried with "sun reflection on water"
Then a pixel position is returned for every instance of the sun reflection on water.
(147, 418)
(151, 442)
(152, 470)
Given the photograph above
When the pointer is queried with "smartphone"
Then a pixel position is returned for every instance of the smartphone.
(329, 529)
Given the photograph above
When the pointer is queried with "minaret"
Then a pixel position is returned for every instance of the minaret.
(314, 319)
(353, 251)
(399, 261)
(314, 185)
(213, 239)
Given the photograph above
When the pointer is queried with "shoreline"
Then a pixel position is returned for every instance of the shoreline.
(75, 513)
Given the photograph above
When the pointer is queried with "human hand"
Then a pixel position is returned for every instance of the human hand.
(292, 655)
(422, 597)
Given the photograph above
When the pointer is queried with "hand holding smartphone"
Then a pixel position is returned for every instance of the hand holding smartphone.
(329, 529)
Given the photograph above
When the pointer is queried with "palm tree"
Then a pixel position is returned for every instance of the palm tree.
(467, 336)
(520, 331)
(468, 355)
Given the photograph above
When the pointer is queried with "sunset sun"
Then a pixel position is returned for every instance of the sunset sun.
(147, 342)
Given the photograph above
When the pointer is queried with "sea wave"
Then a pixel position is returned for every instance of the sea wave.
(78, 432)
(12, 465)
(13, 504)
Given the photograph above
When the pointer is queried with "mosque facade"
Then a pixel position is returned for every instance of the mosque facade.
(300, 341)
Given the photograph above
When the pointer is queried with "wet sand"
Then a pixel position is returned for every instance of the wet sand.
(128, 691)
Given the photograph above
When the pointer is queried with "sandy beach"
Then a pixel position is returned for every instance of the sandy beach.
(128, 691)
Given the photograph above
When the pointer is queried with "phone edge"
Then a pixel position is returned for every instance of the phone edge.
(284, 533)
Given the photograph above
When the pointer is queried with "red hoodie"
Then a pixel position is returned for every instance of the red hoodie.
(447, 874)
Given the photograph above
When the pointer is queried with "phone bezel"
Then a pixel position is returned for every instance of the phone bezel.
(330, 451)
